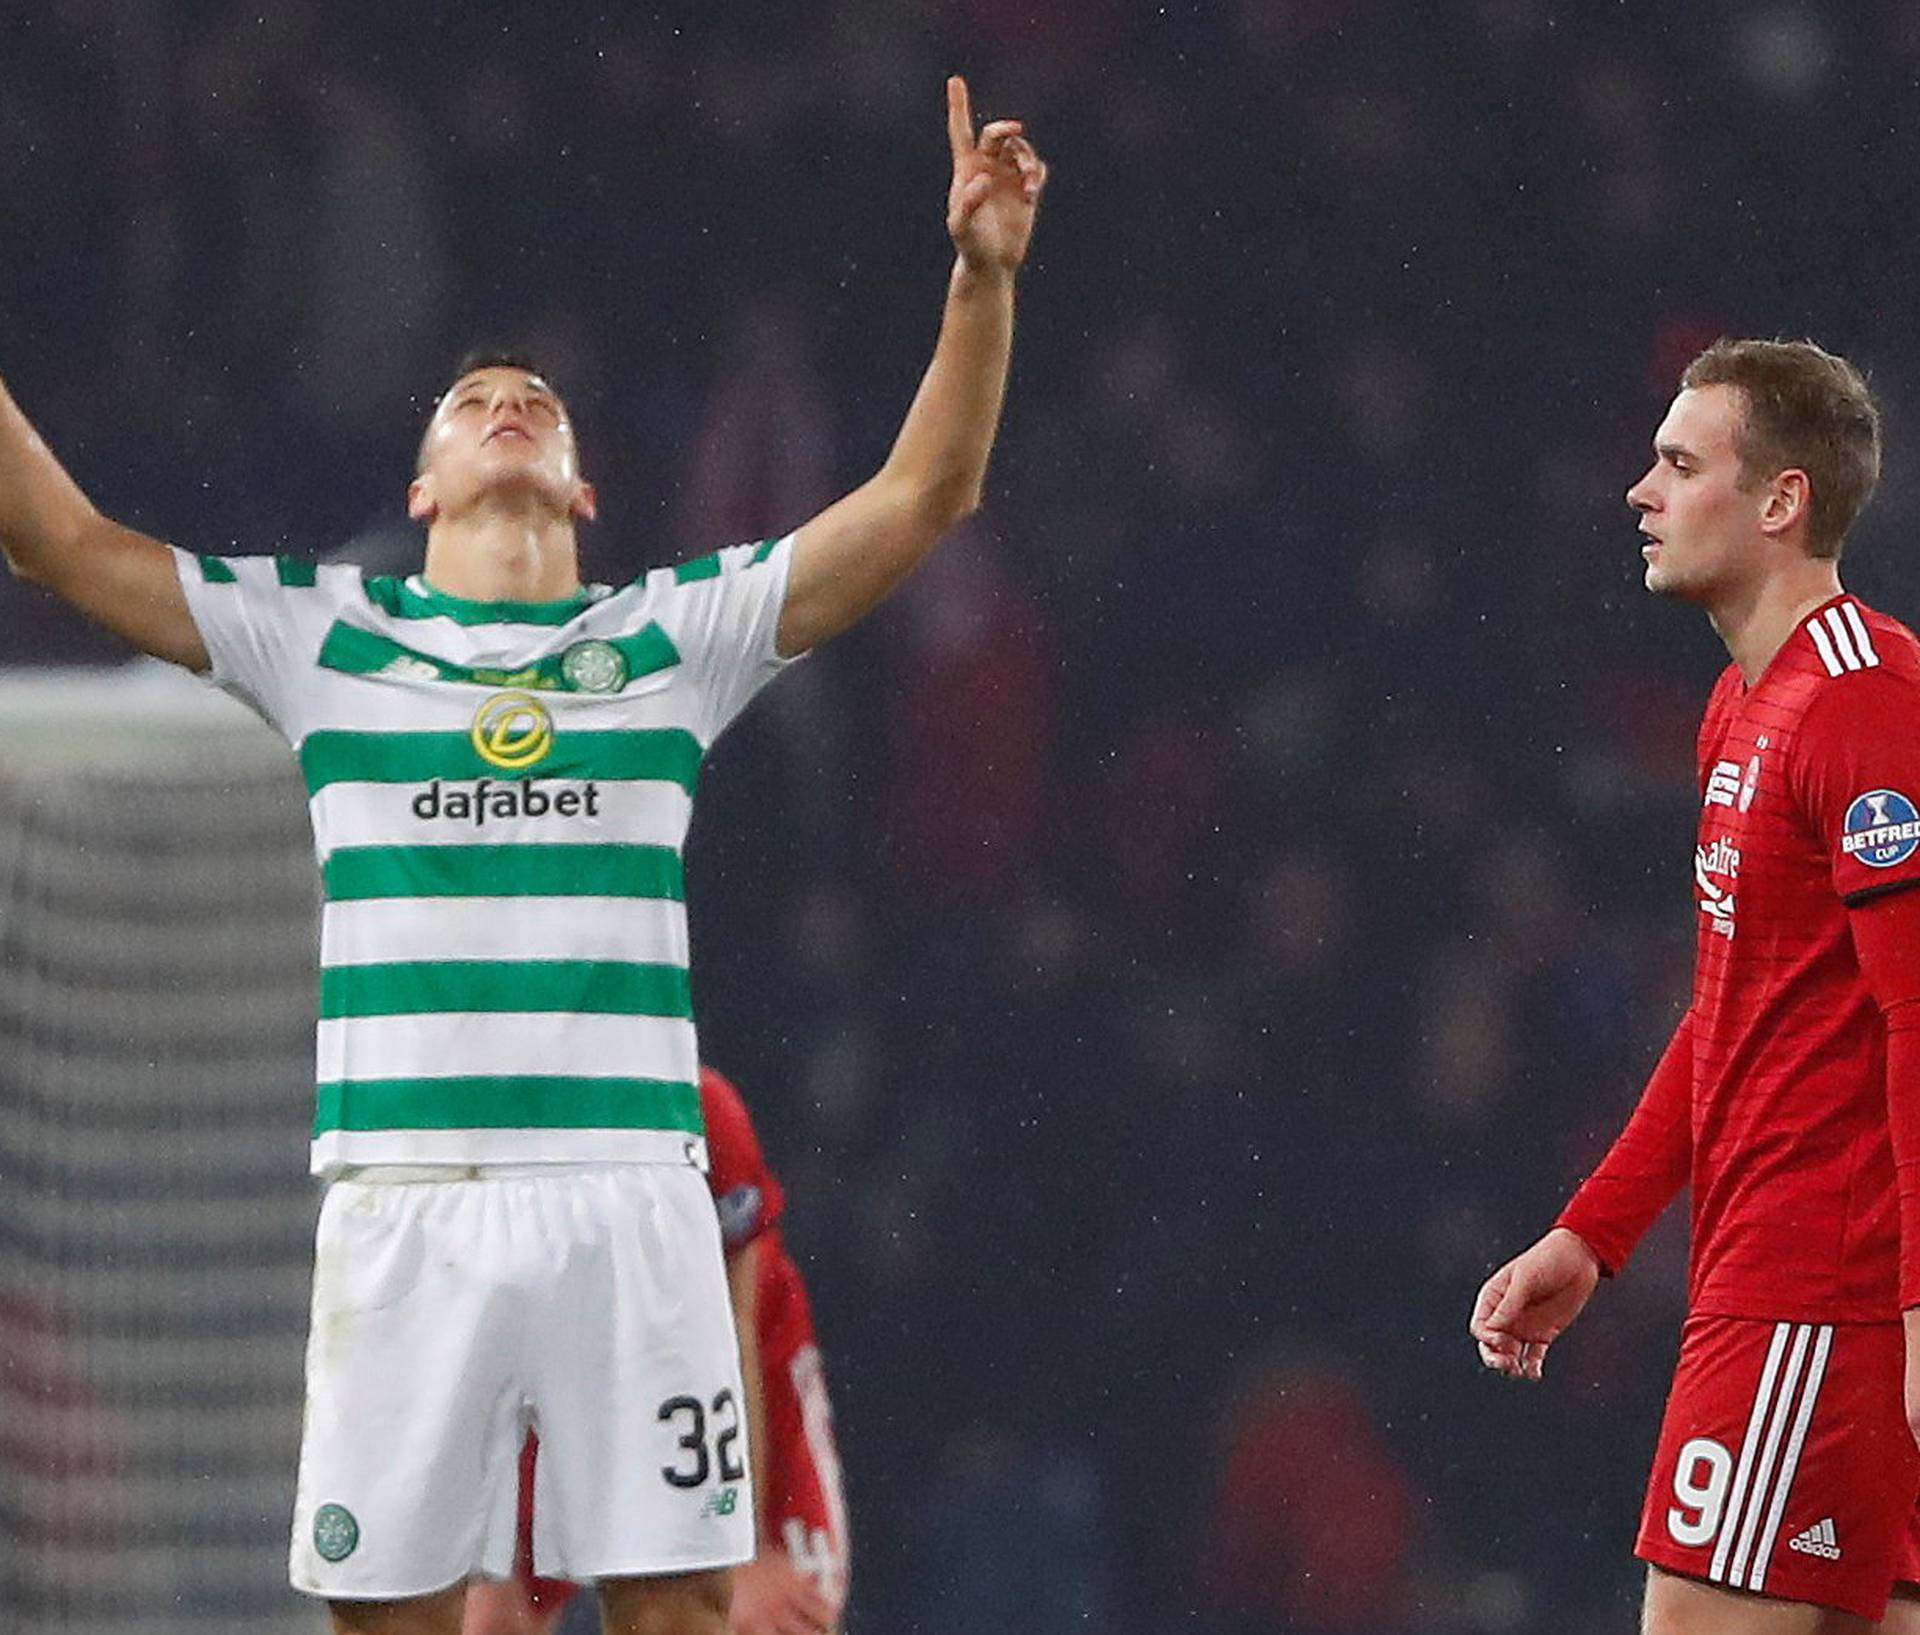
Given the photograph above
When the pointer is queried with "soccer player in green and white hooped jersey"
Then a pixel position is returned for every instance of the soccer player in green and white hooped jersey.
(501, 764)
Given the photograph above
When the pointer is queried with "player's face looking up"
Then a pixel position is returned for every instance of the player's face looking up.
(1704, 523)
(499, 435)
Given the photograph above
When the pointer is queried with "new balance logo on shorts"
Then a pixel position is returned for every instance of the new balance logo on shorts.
(1818, 1540)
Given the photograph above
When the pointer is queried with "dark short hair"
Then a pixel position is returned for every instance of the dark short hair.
(498, 357)
(1808, 409)
(478, 357)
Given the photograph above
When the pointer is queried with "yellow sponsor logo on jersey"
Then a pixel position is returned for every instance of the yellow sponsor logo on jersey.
(512, 731)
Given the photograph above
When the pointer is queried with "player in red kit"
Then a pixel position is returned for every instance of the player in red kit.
(797, 1584)
(1782, 1497)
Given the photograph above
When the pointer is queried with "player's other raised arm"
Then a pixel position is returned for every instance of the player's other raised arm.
(847, 558)
(51, 535)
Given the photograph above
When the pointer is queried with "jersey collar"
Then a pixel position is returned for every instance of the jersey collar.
(464, 610)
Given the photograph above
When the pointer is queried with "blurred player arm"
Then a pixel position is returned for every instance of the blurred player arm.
(52, 536)
(743, 1286)
(853, 553)
(770, 1596)
(1886, 940)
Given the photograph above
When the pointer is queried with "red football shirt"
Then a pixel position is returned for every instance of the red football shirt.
(750, 1201)
(745, 1192)
(1810, 801)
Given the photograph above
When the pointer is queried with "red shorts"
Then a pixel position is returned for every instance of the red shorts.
(1785, 1464)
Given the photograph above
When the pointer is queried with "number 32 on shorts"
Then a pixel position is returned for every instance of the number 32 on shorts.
(1700, 1478)
(698, 1464)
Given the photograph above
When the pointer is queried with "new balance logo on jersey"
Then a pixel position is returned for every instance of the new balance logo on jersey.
(1818, 1540)
(486, 800)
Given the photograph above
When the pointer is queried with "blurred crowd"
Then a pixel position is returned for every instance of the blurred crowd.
(1221, 907)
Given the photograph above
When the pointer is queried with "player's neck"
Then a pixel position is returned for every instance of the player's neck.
(1756, 620)
(503, 554)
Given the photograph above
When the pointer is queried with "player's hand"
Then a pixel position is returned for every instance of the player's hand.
(1526, 1305)
(1911, 1317)
(772, 1597)
(997, 181)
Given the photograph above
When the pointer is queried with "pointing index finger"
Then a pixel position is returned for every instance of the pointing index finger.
(959, 118)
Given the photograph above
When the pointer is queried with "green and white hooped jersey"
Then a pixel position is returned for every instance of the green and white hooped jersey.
(500, 794)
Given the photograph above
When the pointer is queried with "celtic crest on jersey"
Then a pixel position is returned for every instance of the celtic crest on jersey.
(594, 667)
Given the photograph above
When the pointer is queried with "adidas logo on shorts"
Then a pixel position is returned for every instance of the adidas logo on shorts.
(1818, 1540)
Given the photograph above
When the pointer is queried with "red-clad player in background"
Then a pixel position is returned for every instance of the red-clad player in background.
(1783, 1491)
(798, 1582)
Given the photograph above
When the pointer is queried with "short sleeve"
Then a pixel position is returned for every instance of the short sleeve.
(262, 619)
(745, 1192)
(1857, 775)
(723, 612)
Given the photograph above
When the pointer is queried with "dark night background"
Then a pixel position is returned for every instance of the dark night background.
(1222, 906)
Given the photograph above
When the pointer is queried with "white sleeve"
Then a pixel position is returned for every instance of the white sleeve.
(723, 613)
(262, 619)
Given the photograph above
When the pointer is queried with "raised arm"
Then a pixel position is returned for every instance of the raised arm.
(854, 552)
(51, 535)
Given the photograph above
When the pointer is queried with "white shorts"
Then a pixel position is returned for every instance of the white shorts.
(586, 1302)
